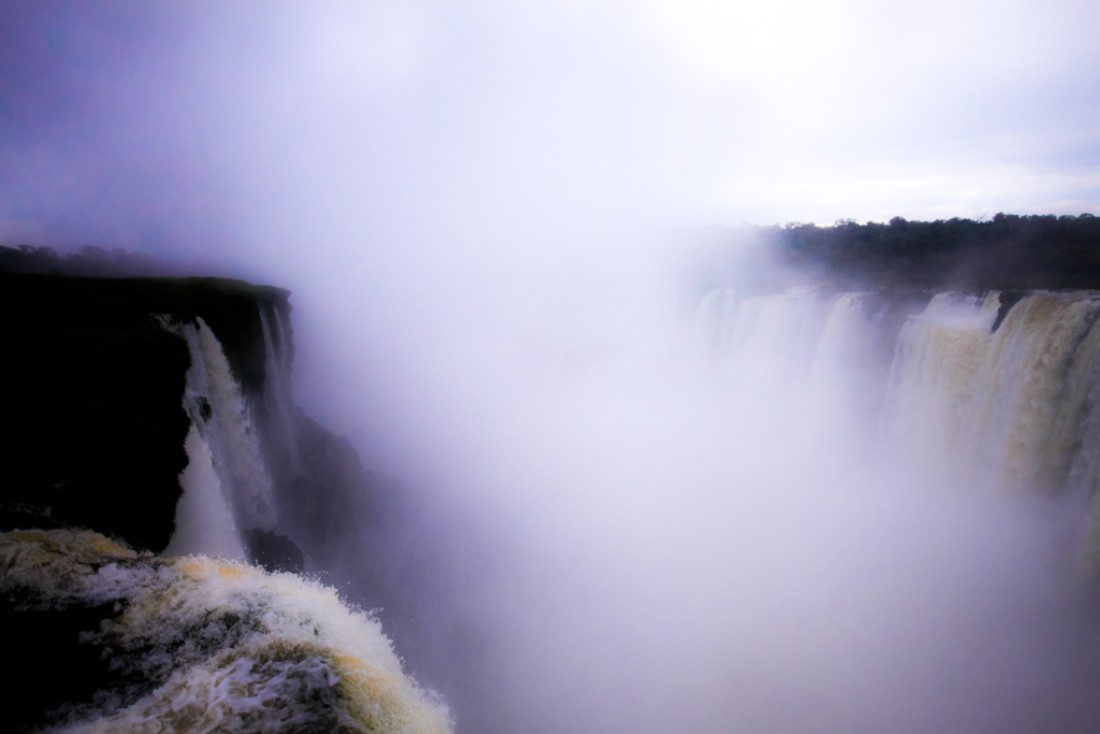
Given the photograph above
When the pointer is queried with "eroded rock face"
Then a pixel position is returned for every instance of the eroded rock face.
(274, 552)
(95, 427)
(95, 395)
(108, 639)
(91, 387)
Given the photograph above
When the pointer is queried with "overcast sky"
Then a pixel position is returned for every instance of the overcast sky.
(446, 170)
(461, 195)
(189, 124)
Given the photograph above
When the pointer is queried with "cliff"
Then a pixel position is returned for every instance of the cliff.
(92, 388)
(147, 416)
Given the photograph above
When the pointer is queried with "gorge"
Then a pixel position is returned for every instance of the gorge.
(823, 510)
(662, 367)
(128, 417)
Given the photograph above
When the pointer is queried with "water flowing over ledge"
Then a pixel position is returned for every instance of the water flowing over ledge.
(131, 395)
(975, 393)
(201, 645)
(896, 488)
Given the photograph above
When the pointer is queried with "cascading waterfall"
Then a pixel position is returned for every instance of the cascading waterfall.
(204, 520)
(975, 398)
(219, 632)
(277, 384)
(1016, 409)
(812, 363)
(1007, 405)
(939, 355)
(227, 489)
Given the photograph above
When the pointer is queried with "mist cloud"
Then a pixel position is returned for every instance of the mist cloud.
(473, 206)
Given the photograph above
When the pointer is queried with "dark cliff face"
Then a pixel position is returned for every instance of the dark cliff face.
(91, 386)
(92, 391)
(94, 425)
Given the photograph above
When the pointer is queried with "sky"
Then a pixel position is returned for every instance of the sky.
(193, 125)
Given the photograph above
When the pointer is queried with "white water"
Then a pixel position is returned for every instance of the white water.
(820, 526)
(809, 370)
(1008, 412)
(813, 529)
(218, 646)
(230, 647)
(1005, 410)
(204, 519)
(277, 385)
(965, 408)
(227, 488)
(995, 409)
(987, 453)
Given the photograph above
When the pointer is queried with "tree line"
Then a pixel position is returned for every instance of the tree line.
(1008, 251)
(88, 261)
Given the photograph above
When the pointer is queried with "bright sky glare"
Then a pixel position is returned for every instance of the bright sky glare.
(181, 123)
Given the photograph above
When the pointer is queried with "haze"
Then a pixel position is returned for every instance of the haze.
(482, 210)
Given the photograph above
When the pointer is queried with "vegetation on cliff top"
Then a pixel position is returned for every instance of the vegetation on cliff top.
(1007, 252)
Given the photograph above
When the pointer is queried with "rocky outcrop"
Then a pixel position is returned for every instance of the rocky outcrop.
(101, 403)
(91, 389)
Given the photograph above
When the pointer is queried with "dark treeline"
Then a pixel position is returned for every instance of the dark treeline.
(1006, 252)
(88, 261)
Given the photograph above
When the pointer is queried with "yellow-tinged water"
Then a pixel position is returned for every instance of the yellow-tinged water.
(225, 647)
(968, 408)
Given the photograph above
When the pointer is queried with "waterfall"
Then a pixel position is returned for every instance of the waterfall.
(801, 364)
(975, 399)
(1011, 410)
(939, 355)
(204, 520)
(1002, 408)
(277, 384)
(226, 476)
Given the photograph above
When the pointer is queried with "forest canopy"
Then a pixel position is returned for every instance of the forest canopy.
(1006, 252)
(88, 261)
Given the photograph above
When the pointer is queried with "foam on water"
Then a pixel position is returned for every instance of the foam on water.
(204, 519)
(202, 645)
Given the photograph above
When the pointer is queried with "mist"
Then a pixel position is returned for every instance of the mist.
(606, 521)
